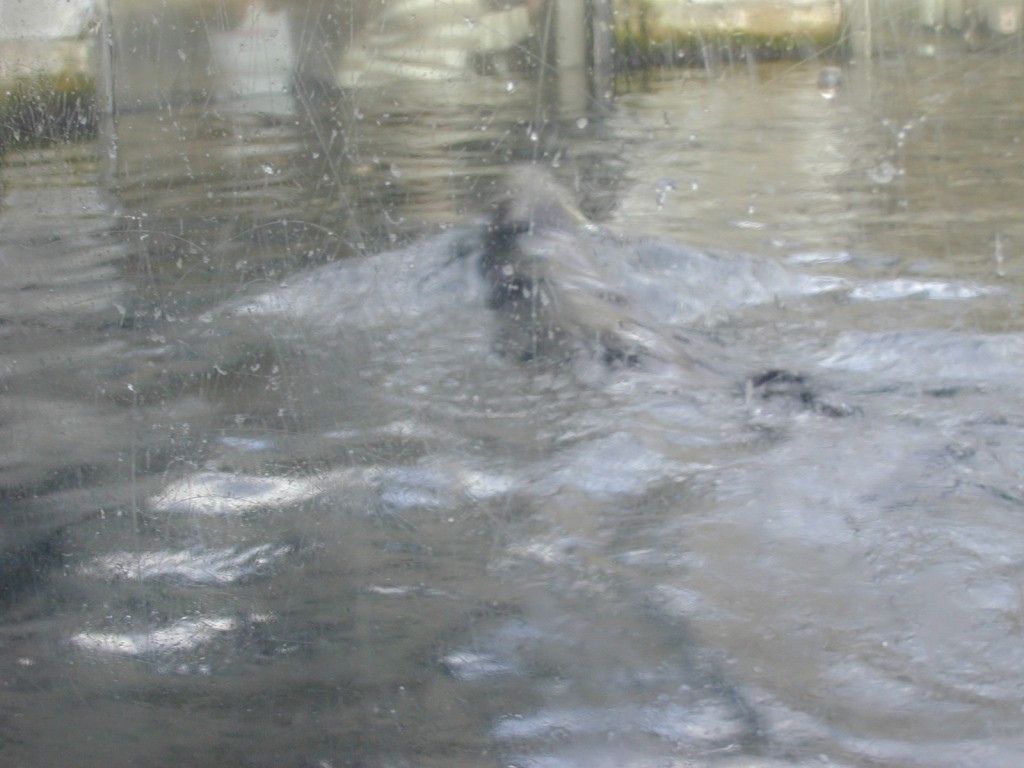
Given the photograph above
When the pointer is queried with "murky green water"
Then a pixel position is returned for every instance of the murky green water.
(271, 497)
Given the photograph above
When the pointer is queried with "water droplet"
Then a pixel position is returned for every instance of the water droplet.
(582, 123)
(510, 86)
(1007, 19)
(662, 188)
(1000, 259)
(883, 173)
(830, 81)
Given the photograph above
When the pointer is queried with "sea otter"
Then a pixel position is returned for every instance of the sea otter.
(557, 305)
(544, 281)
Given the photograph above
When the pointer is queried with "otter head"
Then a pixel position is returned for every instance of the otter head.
(529, 203)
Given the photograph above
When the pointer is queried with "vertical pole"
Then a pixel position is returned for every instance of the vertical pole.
(106, 96)
(571, 56)
(862, 44)
(930, 14)
(601, 32)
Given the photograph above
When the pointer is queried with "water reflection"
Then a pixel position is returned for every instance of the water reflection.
(296, 510)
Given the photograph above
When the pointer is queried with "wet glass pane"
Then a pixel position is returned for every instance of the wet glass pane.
(477, 383)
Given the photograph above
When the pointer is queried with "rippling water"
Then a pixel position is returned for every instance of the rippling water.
(271, 496)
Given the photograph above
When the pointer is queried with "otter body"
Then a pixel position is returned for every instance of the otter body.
(556, 303)
(551, 294)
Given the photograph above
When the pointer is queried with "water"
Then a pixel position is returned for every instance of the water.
(272, 497)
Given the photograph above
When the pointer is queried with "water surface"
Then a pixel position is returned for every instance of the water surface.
(273, 498)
